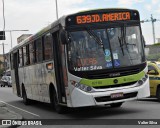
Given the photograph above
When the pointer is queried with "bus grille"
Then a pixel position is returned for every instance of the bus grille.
(108, 98)
(115, 86)
(107, 74)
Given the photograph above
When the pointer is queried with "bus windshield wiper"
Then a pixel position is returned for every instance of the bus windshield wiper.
(96, 38)
(124, 36)
(121, 41)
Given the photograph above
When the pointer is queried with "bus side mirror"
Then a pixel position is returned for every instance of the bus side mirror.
(63, 38)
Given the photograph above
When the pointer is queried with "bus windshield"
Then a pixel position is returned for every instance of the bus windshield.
(108, 48)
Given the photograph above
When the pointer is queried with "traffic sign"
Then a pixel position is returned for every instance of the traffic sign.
(2, 35)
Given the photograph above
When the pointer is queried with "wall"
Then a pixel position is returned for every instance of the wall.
(152, 52)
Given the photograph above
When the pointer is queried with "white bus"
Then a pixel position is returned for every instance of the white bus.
(89, 58)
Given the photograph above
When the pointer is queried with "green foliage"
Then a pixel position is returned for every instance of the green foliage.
(1, 71)
(157, 44)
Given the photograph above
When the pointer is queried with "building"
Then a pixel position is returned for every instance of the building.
(158, 40)
(152, 49)
(4, 64)
(152, 52)
(7, 57)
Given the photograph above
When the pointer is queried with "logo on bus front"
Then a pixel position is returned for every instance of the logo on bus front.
(114, 74)
(115, 81)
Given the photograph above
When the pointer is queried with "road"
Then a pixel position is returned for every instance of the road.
(148, 108)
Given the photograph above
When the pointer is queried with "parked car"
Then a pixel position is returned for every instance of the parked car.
(154, 78)
(6, 81)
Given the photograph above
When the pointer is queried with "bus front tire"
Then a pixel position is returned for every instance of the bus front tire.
(54, 101)
(26, 101)
(116, 105)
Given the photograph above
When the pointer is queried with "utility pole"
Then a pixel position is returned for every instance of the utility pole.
(153, 30)
(56, 9)
(152, 20)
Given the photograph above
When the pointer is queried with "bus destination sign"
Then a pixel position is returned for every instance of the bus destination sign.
(105, 17)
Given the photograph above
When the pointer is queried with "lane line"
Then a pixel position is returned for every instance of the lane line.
(20, 109)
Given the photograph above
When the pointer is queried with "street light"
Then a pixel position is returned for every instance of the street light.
(56, 9)
(10, 31)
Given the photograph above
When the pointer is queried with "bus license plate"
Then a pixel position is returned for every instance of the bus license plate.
(116, 95)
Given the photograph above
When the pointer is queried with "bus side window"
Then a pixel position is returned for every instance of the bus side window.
(20, 60)
(11, 60)
(31, 53)
(39, 55)
(27, 55)
(24, 55)
(47, 43)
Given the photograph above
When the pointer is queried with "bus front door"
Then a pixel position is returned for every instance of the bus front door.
(59, 65)
(15, 60)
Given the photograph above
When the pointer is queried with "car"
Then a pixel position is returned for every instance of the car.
(154, 79)
(6, 81)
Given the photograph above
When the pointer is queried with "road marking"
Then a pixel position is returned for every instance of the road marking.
(20, 109)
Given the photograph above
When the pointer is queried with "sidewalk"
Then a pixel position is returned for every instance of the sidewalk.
(6, 113)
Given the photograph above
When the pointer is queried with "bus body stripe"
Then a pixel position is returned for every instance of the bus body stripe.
(111, 81)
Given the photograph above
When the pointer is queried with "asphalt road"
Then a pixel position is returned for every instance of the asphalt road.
(148, 108)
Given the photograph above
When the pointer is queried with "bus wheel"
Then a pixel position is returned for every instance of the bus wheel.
(26, 101)
(54, 101)
(116, 105)
(158, 94)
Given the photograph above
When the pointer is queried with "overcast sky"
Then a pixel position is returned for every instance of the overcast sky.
(33, 15)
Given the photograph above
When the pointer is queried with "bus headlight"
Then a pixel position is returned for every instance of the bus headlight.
(145, 78)
(84, 87)
(140, 82)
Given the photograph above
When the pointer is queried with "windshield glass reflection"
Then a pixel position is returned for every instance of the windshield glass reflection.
(104, 48)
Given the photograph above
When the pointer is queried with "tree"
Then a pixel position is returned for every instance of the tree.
(1, 63)
(1, 69)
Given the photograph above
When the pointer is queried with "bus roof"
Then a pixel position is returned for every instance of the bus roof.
(104, 9)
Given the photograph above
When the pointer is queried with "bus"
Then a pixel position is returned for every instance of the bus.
(90, 58)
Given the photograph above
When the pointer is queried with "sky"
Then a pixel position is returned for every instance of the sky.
(33, 15)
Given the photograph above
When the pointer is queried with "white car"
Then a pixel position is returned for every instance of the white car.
(6, 81)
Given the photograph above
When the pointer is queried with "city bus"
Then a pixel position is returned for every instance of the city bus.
(90, 58)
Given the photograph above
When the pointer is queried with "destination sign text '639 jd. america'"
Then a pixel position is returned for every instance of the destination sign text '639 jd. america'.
(94, 18)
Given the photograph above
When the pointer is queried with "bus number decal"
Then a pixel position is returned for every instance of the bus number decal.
(96, 83)
(87, 62)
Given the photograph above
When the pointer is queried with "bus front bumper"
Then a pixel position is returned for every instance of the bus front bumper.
(80, 98)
